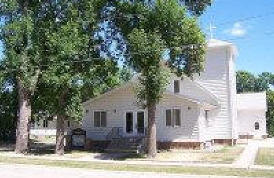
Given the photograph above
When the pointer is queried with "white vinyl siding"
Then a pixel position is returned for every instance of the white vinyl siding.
(124, 100)
(216, 79)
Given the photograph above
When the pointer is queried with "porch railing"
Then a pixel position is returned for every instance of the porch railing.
(118, 132)
(115, 133)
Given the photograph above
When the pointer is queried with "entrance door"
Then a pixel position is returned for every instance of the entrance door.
(140, 123)
(135, 123)
(129, 122)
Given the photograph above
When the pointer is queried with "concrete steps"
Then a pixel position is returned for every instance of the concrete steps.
(126, 145)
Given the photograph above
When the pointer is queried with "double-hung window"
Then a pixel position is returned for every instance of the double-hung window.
(173, 117)
(100, 119)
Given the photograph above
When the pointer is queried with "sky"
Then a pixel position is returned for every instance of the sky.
(248, 24)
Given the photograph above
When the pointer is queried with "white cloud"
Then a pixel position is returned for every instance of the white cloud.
(238, 30)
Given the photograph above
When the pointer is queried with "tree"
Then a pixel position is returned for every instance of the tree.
(72, 60)
(21, 57)
(247, 82)
(197, 7)
(150, 30)
(8, 109)
(270, 113)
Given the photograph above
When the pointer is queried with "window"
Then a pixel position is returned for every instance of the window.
(168, 117)
(257, 126)
(141, 122)
(45, 123)
(176, 86)
(206, 114)
(129, 122)
(68, 123)
(177, 117)
(100, 119)
(173, 117)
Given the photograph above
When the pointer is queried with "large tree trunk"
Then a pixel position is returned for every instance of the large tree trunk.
(22, 131)
(151, 141)
(60, 135)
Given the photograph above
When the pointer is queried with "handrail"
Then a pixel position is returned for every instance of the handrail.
(115, 132)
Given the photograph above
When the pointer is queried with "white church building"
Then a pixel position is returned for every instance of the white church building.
(191, 113)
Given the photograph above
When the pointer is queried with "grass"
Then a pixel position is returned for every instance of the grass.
(223, 155)
(265, 156)
(139, 168)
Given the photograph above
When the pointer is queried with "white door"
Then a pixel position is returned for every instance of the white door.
(129, 123)
(134, 123)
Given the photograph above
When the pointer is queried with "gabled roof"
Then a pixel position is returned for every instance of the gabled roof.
(205, 104)
(252, 101)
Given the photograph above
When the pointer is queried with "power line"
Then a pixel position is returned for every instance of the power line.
(247, 18)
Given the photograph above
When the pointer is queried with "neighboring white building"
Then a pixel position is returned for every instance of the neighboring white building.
(191, 113)
(252, 109)
(45, 127)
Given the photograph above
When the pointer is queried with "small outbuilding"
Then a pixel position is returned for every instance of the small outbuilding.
(251, 115)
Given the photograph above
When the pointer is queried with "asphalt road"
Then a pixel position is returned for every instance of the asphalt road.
(29, 171)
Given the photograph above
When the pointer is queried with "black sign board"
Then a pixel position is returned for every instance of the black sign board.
(78, 138)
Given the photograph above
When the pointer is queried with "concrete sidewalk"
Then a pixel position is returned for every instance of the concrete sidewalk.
(155, 163)
(247, 158)
(27, 171)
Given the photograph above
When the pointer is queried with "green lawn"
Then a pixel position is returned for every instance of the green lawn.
(139, 168)
(223, 155)
(265, 156)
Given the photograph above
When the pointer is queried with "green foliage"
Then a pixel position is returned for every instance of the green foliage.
(270, 112)
(154, 30)
(146, 51)
(8, 109)
(21, 36)
(247, 82)
(72, 61)
(197, 7)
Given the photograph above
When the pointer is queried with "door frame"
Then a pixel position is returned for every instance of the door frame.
(135, 126)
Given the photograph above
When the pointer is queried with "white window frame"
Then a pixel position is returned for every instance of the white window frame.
(100, 111)
(173, 121)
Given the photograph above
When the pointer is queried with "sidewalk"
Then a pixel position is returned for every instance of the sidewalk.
(26, 171)
(143, 162)
(247, 158)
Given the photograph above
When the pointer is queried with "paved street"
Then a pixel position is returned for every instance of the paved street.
(27, 171)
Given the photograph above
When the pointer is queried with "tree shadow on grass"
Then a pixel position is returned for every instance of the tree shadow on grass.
(119, 156)
(7, 146)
